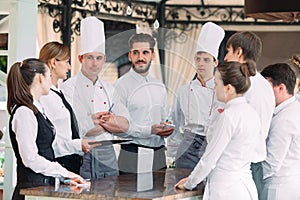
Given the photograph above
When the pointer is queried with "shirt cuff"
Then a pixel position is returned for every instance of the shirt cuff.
(76, 143)
(189, 185)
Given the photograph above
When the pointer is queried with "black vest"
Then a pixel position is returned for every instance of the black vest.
(45, 136)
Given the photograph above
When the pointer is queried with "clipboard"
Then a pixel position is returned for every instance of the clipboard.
(109, 142)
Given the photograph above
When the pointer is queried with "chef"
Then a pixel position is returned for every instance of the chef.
(92, 99)
(195, 102)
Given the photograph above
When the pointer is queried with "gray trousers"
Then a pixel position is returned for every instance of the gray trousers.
(190, 150)
(257, 175)
(100, 162)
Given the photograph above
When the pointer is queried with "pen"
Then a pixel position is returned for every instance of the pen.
(110, 108)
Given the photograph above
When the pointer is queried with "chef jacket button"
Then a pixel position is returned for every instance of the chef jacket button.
(191, 89)
(92, 100)
(104, 102)
(100, 87)
(87, 85)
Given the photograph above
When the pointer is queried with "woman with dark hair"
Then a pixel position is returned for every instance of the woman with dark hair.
(231, 139)
(31, 132)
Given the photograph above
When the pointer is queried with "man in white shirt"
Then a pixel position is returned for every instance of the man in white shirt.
(281, 169)
(146, 101)
(92, 100)
(241, 47)
(195, 102)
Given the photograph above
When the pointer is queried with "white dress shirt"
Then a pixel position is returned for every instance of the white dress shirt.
(281, 169)
(146, 101)
(25, 126)
(283, 143)
(60, 117)
(261, 97)
(230, 139)
(87, 98)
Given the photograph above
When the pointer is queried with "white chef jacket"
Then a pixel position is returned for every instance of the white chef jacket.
(283, 143)
(230, 138)
(87, 98)
(25, 126)
(60, 117)
(192, 108)
(193, 105)
(260, 96)
(146, 101)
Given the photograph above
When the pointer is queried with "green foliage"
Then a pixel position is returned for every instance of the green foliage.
(3, 63)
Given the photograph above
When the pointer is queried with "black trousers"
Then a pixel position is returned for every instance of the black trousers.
(26, 184)
(71, 162)
(128, 158)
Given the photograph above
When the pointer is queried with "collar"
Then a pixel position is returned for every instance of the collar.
(284, 104)
(54, 88)
(38, 105)
(139, 77)
(87, 81)
(235, 101)
(210, 83)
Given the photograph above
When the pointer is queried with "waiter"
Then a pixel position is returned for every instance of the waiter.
(146, 101)
(91, 99)
(195, 102)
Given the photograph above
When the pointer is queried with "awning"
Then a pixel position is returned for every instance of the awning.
(273, 10)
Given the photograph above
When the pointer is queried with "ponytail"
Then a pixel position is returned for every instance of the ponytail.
(19, 80)
(237, 74)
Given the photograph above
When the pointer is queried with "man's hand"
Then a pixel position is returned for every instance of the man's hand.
(101, 117)
(161, 130)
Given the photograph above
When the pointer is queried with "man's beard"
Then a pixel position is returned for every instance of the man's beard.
(142, 70)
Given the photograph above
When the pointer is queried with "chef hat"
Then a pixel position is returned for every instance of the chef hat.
(92, 38)
(210, 38)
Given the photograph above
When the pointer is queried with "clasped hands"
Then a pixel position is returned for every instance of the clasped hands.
(99, 119)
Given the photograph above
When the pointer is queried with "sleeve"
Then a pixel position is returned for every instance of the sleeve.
(25, 126)
(61, 146)
(119, 107)
(174, 140)
(280, 136)
(139, 131)
(135, 130)
(222, 135)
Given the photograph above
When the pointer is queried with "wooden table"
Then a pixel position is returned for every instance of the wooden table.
(156, 185)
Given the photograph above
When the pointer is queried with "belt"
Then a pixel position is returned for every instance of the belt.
(134, 147)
